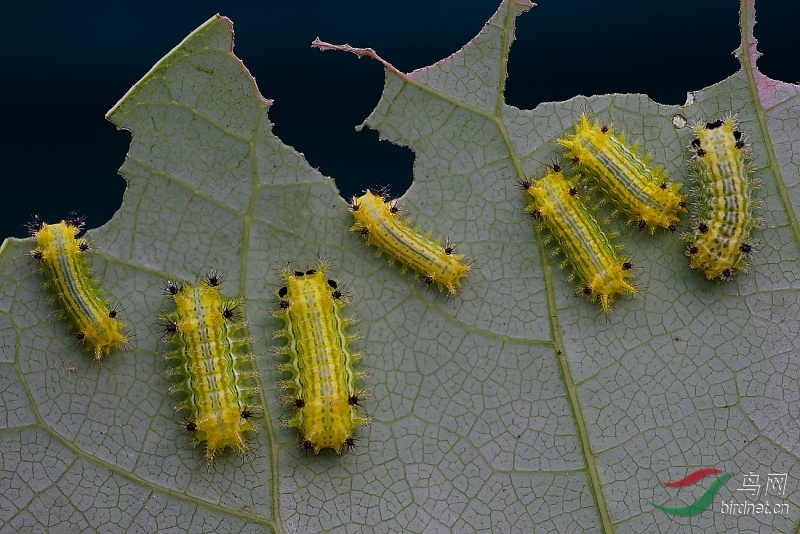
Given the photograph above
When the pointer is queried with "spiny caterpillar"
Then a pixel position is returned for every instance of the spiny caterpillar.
(719, 242)
(642, 192)
(61, 257)
(378, 222)
(586, 247)
(215, 364)
(322, 385)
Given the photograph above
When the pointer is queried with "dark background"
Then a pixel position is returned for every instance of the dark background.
(66, 66)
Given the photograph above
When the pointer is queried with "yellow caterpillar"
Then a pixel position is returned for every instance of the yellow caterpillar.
(322, 384)
(586, 247)
(61, 257)
(378, 222)
(719, 242)
(641, 191)
(215, 365)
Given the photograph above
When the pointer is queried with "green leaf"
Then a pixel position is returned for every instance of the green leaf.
(515, 406)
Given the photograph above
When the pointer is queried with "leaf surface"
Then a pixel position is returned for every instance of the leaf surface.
(515, 406)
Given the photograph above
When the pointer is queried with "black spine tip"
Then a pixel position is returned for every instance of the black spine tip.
(76, 220)
(35, 225)
(171, 288)
(213, 278)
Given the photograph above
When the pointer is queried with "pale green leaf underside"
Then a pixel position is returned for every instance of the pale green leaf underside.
(513, 407)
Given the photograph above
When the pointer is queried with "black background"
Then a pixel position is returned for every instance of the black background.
(66, 66)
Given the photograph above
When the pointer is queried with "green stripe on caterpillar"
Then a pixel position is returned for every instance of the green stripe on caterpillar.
(61, 258)
(216, 367)
(642, 192)
(322, 384)
(722, 217)
(378, 222)
(555, 206)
